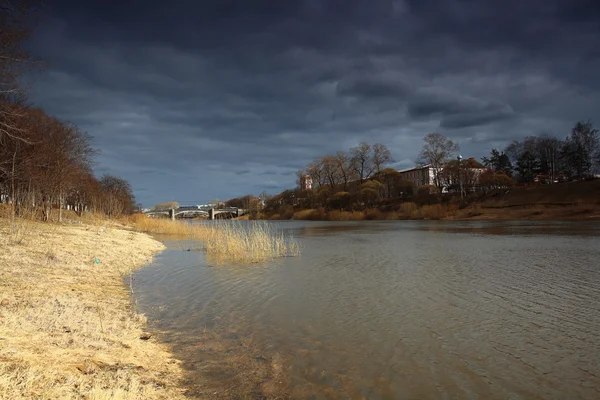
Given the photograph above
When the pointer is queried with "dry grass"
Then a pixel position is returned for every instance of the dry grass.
(66, 326)
(335, 215)
(311, 214)
(253, 242)
(374, 214)
(142, 223)
(304, 214)
(434, 212)
(226, 241)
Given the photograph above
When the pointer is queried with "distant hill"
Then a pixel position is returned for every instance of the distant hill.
(559, 194)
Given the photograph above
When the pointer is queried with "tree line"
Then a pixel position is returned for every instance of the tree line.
(360, 163)
(575, 157)
(45, 163)
(359, 178)
(345, 180)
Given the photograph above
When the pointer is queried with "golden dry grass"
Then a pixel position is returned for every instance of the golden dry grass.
(303, 214)
(253, 242)
(67, 330)
(226, 241)
(336, 215)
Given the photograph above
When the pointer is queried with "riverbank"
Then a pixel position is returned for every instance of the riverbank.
(564, 201)
(410, 211)
(67, 329)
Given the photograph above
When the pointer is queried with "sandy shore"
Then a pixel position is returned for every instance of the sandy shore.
(67, 330)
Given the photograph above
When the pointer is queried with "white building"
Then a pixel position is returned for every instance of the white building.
(306, 182)
(426, 175)
(420, 176)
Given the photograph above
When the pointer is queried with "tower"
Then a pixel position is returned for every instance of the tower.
(306, 182)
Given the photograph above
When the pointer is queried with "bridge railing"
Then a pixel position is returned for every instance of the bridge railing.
(201, 209)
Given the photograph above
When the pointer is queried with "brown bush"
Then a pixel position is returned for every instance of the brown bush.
(434, 212)
(345, 216)
(313, 214)
(286, 212)
(426, 195)
(406, 210)
(374, 214)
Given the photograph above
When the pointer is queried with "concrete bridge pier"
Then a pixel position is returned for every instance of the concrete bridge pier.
(211, 214)
(172, 214)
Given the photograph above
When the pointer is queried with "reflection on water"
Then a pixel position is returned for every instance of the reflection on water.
(392, 310)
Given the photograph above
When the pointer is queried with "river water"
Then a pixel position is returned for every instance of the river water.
(392, 310)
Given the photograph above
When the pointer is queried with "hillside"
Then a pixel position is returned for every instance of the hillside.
(569, 200)
(560, 194)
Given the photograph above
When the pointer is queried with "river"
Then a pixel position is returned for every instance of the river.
(389, 310)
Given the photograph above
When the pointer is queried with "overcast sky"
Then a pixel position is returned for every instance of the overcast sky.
(193, 100)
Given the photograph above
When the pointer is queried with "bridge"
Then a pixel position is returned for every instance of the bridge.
(190, 212)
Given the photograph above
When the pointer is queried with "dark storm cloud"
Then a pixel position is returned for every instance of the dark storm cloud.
(370, 87)
(457, 111)
(217, 94)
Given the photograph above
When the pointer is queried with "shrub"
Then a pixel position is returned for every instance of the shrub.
(286, 212)
(434, 212)
(374, 214)
(475, 210)
(313, 214)
(406, 210)
(426, 194)
(302, 214)
(340, 200)
(345, 216)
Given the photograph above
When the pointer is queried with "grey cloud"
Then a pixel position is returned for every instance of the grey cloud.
(269, 185)
(457, 110)
(287, 173)
(232, 86)
(371, 87)
(468, 119)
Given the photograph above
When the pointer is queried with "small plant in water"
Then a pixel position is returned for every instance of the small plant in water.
(251, 242)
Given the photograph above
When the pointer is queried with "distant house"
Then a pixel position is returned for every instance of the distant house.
(419, 176)
(426, 174)
(306, 182)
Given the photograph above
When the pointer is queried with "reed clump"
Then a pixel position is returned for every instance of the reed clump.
(253, 242)
(142, 223)
(236, 241)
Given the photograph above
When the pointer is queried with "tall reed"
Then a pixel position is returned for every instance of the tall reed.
(251, 242)
(248, 241)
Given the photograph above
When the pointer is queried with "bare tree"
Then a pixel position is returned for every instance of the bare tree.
(344, 166)
(381, 156)
(15, 62)
(548, 149)
(581, 150)
(315, 171)
(331, 170)
(65, 150)
(117, 196)
(166, 205)
(437, 151)
(362, 161)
